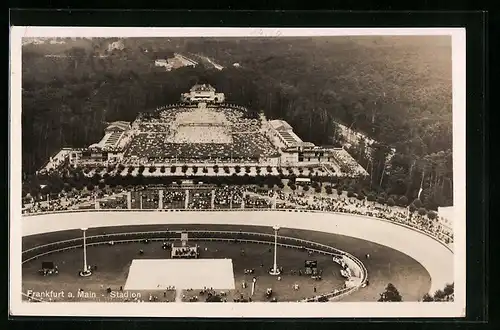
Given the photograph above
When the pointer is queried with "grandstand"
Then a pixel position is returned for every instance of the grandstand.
(285, 133)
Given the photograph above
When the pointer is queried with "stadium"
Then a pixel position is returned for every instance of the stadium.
(209, 201)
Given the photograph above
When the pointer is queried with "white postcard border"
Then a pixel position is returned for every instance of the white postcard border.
(294, 310)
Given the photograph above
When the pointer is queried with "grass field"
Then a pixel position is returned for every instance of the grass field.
(384, 266)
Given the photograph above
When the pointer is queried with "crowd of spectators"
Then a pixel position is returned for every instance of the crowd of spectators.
(228, 197)
(298, 200)
(173, 199)
(62, 203)
(145, 199)
(372, 209)
(199, 200)
(114, 203)
(253, 198)
(46, 206)
(346, 162)
(254, 202)
(225, 135)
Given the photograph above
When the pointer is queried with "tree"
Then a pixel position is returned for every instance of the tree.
(403, 201)
(431, 215)
(447, 294)
(152, 169)
(390, 202)
(391, 294)
(329, 190)
(184, 169)
(371, 197)
(317, 189)
(173, 169)
(439, 295)
(418, 203)
(422, 211)
(195, 169)
(412, 208)
(449, 289)
(293, 186)
(162, 169)
(381, 200)
(427, 298)
(95, 178)
(306, 188)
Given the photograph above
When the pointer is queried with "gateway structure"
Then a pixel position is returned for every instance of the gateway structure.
(203, 93)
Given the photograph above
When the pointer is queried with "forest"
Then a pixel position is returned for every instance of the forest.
(396, 90)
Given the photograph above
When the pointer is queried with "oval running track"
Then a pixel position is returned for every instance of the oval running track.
(436, 258)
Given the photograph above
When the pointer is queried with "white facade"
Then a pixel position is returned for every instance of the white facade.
(445, 217)
(115, 156)
(203, 93)
(163, 63)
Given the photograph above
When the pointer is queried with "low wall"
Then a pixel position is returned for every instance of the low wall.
(435, 257)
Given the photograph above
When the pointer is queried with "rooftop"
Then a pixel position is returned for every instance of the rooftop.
(122, 125)
(280, 125)
(202, 88)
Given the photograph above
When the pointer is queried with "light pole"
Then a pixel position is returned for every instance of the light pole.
(275, 270)
(86, 271)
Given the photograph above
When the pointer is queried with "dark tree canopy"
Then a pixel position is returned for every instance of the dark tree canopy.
(390, 294)
(395, 90)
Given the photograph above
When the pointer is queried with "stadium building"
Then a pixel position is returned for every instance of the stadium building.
(202, 129)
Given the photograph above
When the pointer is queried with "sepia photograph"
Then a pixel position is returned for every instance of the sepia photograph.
(270, 172)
